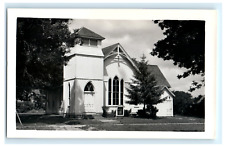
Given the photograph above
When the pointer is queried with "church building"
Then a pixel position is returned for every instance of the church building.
(95, 77)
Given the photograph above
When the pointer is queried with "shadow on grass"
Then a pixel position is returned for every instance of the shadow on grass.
(53, 119)
(46, 119)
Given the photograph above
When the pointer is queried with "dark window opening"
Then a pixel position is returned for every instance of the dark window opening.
(89, 87)
(85, 41)
(121, 92)
(89, 42)
(116, 91)
(109, 92)
(93, 42)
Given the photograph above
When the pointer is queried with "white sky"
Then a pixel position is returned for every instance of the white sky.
(138, 38)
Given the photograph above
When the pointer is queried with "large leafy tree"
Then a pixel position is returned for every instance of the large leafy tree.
(143, 89)
(41, 45)
(182, 102)
(184, 43)
(185, 104)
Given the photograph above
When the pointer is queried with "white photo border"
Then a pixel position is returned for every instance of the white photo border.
(210, 16)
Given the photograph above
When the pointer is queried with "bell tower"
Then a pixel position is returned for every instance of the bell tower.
(83, 74)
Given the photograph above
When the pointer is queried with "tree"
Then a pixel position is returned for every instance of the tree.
(144, 89)
(41, 45)
(185, 104)
(184, 43)
(182, 102)
(198, 107)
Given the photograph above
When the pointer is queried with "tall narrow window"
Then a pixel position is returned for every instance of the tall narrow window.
(69, 89)
(121, 92)
(116, 91)
(69, 92)
(109, 92)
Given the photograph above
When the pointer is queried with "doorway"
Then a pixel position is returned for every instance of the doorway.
(89, 98)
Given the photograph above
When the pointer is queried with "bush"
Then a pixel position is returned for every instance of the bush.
(150, 112)
(112, 114)
(141, 113)
(127, 113)
(31, 100)
(106, 113)
(24, 106)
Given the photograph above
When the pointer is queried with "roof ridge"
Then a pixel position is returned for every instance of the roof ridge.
(107, 50)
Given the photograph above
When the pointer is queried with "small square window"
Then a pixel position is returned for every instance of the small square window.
(85, 41)
(93, 42)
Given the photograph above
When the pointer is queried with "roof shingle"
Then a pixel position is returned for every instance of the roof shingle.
(108, 49)
(159, 77)
(86, 33)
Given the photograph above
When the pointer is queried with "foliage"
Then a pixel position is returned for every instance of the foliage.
(127, 113)
(106, 113)
(144, 89)
(184, 43)
(185, 104)
(181, 102)
(41, 45)
(198, 107)
(152, 111)
(24, 106)
(33, 101)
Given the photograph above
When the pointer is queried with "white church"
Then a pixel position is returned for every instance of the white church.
(95, 77)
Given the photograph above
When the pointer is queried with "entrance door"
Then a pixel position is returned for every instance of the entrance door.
(89, 98)
(89, 102)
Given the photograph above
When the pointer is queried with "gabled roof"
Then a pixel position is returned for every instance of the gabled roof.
(154, 69)
(86, 33)
(107, 50)
(169, 91)
(159, 77)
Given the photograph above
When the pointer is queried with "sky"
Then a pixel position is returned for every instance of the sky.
(138, 37)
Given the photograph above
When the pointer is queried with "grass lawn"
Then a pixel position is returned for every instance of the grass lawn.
(96, 123)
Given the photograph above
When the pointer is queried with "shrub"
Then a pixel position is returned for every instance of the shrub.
(127, 113)
(112, 114)
(141, 113)
(150, 112)
(105, 111)
(24, 106)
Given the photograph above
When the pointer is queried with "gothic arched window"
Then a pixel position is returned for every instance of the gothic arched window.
(116, 91)
(121, 91)
(89, 87)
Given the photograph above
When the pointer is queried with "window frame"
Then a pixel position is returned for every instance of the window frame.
(121, 91)
(116, 92)
(110, 91)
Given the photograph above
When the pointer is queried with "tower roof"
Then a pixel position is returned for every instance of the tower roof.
(86, 33)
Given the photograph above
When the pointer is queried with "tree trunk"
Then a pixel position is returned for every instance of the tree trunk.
(144, 107)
